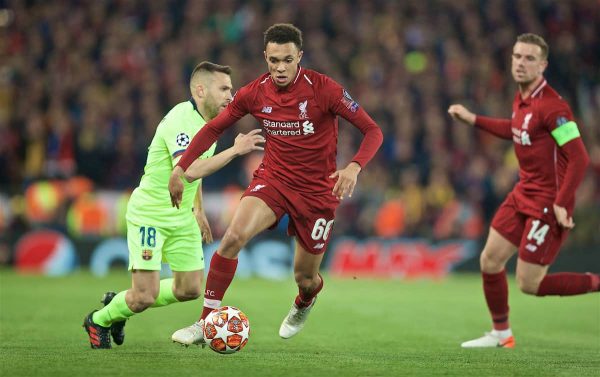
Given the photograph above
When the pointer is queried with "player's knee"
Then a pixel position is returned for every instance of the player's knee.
(232, 242)
(527, 284)
(187, 293)
(490, 261)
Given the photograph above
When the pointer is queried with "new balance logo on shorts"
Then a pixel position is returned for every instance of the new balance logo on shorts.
(319, 246)
(258, 187)
(531, 247)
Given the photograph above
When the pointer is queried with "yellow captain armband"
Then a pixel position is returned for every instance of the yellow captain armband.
(565, 133)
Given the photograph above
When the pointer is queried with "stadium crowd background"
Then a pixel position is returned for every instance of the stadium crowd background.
(83, 86)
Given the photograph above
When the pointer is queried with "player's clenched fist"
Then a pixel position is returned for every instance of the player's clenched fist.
(459, 112)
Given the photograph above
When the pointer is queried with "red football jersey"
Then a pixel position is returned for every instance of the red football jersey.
(300, 126)
(542, 163)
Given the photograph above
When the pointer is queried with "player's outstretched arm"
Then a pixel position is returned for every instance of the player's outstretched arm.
(244, 143)
(200, 143)
(496, 126)
(462, 114)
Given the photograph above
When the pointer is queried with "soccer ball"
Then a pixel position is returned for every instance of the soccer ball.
(226, 329)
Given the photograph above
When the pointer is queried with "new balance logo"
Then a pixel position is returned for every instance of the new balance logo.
(267, 109)
(257, 187)
(319, 246)
(531, 247)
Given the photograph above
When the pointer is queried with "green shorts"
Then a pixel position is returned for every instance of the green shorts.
(150, 245)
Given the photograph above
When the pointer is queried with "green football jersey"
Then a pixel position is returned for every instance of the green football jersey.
(150, 203)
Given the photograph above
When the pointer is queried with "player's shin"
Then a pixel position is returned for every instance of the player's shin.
(495, 288)
(220, 275)
(568, 284)
(165, 294)
(116, 310)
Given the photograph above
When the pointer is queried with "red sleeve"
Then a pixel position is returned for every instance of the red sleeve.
(557, 112)
(496, 126)
(213, 129)
(577, 162)
(339, 102)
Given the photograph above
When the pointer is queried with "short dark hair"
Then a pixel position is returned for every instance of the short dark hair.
(535, 39)
(284, 33)
(210, 67)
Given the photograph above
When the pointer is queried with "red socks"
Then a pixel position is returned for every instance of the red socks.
(220, 275)
(568, 284)
(495, 289)
(304, 300)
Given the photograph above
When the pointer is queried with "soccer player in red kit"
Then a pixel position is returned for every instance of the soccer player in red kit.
(297, 109)
(535, 217)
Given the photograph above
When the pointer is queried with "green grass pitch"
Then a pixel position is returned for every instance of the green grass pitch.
(358, 328)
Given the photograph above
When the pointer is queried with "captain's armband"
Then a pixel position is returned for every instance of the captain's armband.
(565, 133)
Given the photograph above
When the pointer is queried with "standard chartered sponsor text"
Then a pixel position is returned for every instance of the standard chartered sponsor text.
(276, 128)
(283, 132)
(274, 124)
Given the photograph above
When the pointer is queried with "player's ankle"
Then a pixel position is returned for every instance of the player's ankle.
(502, 334)
(205, 311)
(595, 282)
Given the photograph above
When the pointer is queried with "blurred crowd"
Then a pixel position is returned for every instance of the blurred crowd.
(83, 85)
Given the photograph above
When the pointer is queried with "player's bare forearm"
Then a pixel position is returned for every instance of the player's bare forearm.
(205, 138)
(201, 218)
(244, 143)
(176, 186)
(205, 167)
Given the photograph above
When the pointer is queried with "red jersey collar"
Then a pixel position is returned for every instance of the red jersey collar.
(290, 86)
(535, 93)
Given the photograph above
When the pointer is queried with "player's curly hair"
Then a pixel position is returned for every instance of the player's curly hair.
(535, 39)
(284, 33)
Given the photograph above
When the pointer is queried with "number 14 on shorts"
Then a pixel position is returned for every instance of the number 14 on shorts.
(538, 233)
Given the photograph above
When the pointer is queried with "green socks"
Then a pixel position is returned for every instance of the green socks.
(118, 310)
(165, 294)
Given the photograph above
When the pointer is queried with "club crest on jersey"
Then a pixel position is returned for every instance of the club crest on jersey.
(146, 254)
(183, 140)
(302, 107)
(349, 102)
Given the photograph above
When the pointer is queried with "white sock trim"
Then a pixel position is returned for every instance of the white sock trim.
(502, 334)
(213, 304)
